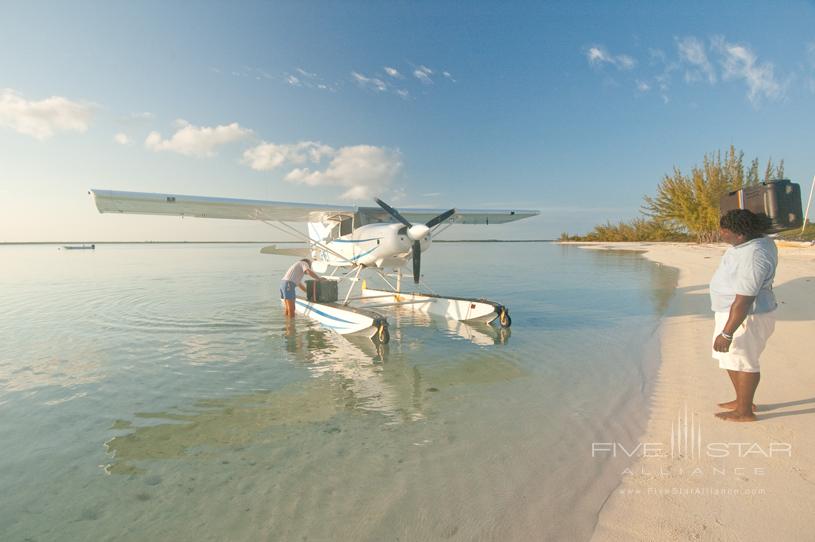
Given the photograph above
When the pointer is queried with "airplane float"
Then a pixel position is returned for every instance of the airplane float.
(347, 240)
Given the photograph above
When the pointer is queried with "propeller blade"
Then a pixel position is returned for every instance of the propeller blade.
(417, 261)
(393, 212)
(441, 218)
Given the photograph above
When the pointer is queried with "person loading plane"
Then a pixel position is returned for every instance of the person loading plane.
(291, 279)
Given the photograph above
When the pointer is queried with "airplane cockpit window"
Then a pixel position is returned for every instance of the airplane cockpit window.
(339, 226)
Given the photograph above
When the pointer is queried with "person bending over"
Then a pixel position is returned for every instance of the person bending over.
(741, 296)
(292, 279)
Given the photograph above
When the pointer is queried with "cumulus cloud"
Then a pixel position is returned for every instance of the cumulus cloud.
(193, 140)
(372, 83)
(121, 138)
(692, 53)
(740, 62)
(598, 56)
(44, 118)
(361, 170)
(393, 72)
(268, 156)
(423, 73)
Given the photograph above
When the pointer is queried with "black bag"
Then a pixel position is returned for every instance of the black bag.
(780, 200)
(322, 291)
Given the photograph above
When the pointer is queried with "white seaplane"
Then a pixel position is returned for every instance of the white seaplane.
(347, 239)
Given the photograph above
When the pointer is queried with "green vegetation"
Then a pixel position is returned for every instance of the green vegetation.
(686, 206)
(639, 229)
(796, 235)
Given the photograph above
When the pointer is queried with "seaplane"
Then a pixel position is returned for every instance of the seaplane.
(343, 241)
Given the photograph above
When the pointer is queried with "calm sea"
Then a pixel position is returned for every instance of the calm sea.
(155, 392)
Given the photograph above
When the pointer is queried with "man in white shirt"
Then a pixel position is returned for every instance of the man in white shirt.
(741, 296)
(292, 279)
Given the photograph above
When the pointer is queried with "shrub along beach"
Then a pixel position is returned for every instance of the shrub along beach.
(686, 207)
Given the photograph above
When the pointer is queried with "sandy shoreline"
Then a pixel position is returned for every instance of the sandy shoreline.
(716, 480)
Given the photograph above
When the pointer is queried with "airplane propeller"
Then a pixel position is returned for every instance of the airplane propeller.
(415, 232)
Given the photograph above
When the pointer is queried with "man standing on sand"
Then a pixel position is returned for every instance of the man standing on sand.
(291, 280)
(741, 296)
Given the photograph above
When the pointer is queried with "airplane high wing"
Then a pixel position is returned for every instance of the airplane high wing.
(145, 203)
(110, 201)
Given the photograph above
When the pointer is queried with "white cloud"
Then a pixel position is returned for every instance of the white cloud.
(121, 138)
(268, 156)
(642, 86)
(597, 56)
(306, 79)
(448, 75)
(197, 140)
(377, 85)
(625, 62)
(393, 72)
(402, 93)
(692, 52)
(361, 170)
(423, 73)
(739, 62)
(42, 119)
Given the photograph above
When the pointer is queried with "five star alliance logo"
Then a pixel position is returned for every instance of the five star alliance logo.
(686, 442)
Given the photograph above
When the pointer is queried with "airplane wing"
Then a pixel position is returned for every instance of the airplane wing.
(462, 216)
(146, 203)
(110, 201)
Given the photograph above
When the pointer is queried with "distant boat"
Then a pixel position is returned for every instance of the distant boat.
(79, 247)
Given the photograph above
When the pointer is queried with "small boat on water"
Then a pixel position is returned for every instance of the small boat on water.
(79, 247)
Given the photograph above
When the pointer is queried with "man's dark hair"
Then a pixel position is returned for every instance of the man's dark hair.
(744, 222)
(308, 261)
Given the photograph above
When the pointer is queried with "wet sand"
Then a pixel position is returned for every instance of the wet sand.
(695, 477)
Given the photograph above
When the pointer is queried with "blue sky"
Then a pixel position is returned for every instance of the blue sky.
(576, 109)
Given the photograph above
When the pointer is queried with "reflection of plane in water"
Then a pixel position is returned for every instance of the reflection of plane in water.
(357, 364)
(348, 376)
(479, 333)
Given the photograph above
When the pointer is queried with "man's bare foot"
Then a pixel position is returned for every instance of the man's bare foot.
(733, 416)
(731, 405)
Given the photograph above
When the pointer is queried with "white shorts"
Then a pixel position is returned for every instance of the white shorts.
(748, 343)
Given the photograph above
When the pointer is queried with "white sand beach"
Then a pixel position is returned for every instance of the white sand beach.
(701, 478)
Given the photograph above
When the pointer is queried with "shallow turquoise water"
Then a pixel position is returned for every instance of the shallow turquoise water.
(155, 391)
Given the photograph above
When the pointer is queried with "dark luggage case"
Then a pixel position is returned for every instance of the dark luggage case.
(322, 291)
(780, 200)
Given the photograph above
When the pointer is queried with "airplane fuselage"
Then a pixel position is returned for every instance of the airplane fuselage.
(374, 245)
